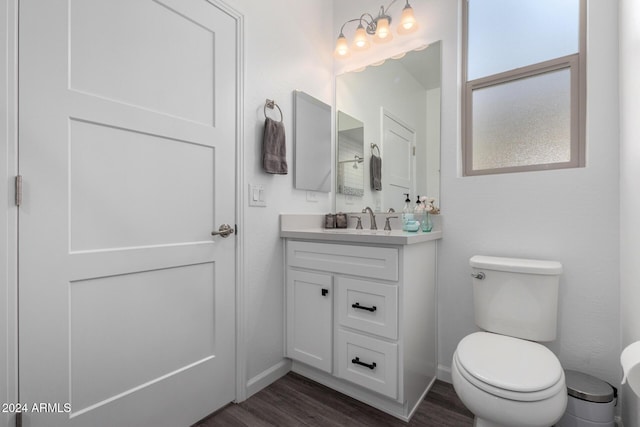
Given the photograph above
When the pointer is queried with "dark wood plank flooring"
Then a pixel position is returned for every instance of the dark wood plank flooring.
(297, 401)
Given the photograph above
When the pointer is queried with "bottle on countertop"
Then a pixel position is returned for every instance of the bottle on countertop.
(419, 211)
(427, 223)
(407, 212)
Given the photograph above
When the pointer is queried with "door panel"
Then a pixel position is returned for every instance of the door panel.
(178, 318)
(399, 160)
(107, 184)
(98, 30)
(127, 148)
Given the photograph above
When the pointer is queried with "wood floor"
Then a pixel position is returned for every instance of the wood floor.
(297, 401)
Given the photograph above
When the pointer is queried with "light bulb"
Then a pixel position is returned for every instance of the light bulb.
(408, 23)
(383, 32)
(360, 40)
(342, 48)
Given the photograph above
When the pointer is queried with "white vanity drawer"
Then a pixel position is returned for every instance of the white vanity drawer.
(365, 261)
(368, 306)
(368, 362)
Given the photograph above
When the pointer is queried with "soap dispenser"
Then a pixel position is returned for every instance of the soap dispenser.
(407, 212)
(419, 211)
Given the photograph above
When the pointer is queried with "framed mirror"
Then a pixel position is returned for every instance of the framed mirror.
(398, 104)
(312, 143)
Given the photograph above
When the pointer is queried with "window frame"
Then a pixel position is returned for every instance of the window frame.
(576, 63)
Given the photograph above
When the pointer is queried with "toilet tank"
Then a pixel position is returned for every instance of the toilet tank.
(516, 297)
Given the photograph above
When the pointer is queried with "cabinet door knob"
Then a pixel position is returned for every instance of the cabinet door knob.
(325, 292)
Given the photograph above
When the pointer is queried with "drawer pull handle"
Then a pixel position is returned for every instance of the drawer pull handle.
(325, 292)
(361, 307)
(357, 361)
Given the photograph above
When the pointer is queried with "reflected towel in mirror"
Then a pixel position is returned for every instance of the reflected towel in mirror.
(376, 173)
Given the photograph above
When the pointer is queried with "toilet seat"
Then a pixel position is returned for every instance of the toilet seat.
(508, 367)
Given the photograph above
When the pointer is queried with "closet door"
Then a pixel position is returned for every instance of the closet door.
(127, 134)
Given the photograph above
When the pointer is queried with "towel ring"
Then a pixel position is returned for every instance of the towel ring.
(270, 103)
(375, 147)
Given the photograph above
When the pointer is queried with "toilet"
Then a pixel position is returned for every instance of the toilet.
(502, 374)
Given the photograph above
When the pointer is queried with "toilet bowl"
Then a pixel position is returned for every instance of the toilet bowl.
(508, 382)
(503, 375)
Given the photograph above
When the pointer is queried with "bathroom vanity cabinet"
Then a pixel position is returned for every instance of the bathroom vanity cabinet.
(361, 318)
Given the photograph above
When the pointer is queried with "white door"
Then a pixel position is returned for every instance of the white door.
(398, 164)
(127, 135)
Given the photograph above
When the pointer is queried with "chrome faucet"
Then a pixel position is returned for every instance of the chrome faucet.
(372, 217)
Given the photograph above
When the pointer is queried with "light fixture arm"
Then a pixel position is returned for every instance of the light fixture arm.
(386, 11)
(371, 24)
(349, 21)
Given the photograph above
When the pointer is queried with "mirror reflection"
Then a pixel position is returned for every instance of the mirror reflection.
(397, 106)
(311, 143)
(350, 171)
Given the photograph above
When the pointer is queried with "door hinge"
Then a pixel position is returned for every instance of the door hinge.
(18, 419)
(18, 190)
(414, 150)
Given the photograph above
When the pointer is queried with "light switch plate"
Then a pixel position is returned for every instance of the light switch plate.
(312, 196)
(257, 195)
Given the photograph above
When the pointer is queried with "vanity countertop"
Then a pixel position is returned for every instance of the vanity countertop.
(307, 227)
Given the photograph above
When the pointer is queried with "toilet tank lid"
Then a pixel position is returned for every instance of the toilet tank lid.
(516, 265)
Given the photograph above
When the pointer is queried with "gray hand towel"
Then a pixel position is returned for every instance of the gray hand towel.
(376, 173)
(274, 148)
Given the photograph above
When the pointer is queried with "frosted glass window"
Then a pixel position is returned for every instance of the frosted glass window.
(508, 34)
(523, 122)
(524, 91)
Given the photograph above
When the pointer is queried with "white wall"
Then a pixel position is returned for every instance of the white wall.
(432, 151)
(288, 46)
(567, 215)
(629, 194)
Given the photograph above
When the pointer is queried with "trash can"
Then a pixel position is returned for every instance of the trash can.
(591, 401)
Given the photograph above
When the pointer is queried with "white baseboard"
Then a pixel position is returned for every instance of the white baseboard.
(267, 377)
(444, 374)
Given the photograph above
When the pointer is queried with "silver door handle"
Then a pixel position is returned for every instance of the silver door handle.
(225, 231)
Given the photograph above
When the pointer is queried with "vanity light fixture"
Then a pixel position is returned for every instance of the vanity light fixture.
(378, 27)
